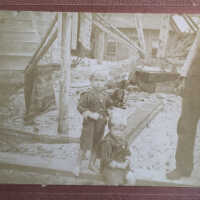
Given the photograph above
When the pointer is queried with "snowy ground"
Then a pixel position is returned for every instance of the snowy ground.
(153, 150)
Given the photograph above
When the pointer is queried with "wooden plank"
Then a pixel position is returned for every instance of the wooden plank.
(110, 29)
(43, 165)
(140, 119)
(189, 23)
(85, 30)
(46, 42)
(17, 47)
(13, 60)
(65, 80)
(192, 22)
(74, 30)
(17, 25)
(65, 167)
(28, 137)
(164, 34)
(13, 68)
(18, 36)
(174, 26)
(100, 46)
(16, 15)
(195, 47)
(139, 28)
(164, 183)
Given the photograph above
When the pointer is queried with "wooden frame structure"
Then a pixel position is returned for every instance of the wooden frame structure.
(63, 23)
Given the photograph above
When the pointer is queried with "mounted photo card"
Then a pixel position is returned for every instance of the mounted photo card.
(95, 98)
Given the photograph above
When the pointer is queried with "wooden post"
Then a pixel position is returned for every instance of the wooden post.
(74, 30)
(164, 32)
(193, 22)
(65, 21)
(173, 25)
(189, 23)
(100, 46)
(46, 42)
(110, 29)
(195, 47)
(139, 27)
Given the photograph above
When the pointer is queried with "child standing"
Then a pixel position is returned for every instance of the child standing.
(93, 106)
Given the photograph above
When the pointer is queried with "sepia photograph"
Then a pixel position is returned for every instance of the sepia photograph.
(99, 98)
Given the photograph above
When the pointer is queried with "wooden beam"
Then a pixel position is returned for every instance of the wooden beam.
(164, 183)
(139, 28)
(163, 38)
(29, 137)
(144, 117)
(33, 60)
(174, 26)
(192, 22)
(65, 28)
(63, 167)
(100, 46)
(195, 47)
(189, 23)
(48, 40)
(109, 32)
(74, 30)
(110, 29)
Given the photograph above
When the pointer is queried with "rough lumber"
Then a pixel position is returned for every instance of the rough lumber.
(139, 27)
(140, 119)
(164, 33)
(110, 29)
(189, 23)
(192, 22)
(100, 46)
(28, 137)
(174, 26)
(163, 183)
(48, 38)
(65, 28)
(191, 54)
(65, 167)
(43, 165)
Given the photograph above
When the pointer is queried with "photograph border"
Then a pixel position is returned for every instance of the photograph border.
(11, 191)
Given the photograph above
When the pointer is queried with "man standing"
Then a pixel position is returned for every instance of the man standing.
(190, 115)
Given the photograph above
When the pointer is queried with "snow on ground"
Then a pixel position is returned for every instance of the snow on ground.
(153, 151)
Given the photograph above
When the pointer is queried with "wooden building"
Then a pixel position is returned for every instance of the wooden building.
(114, 50)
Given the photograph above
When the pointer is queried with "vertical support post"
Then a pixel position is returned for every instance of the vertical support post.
(65, 23)
(191, 55)
(74, 30)
(100, 46)
(139, 27)
(164, 32)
